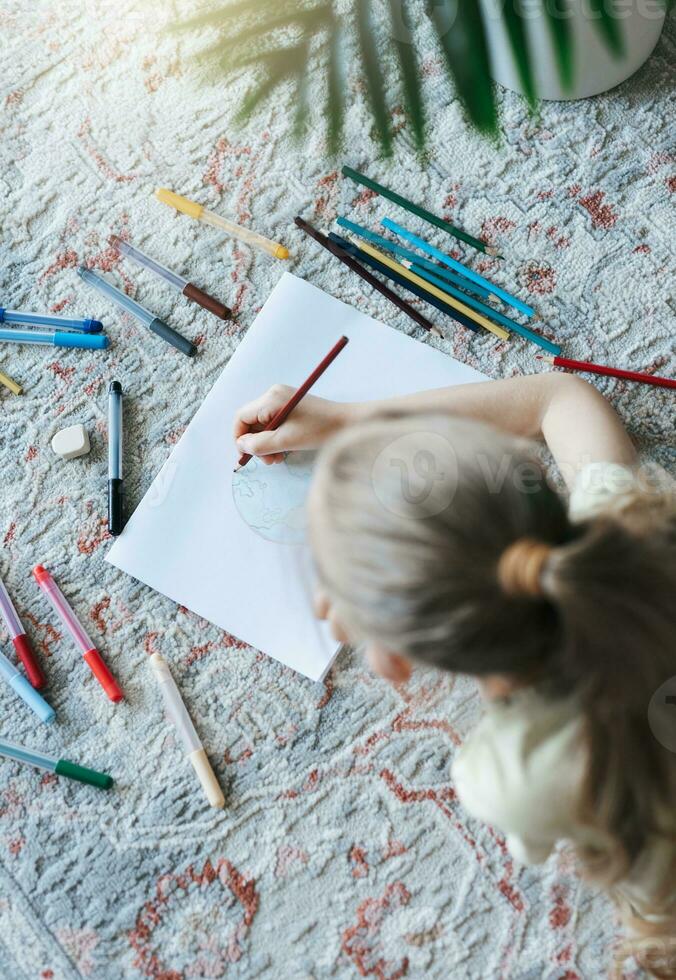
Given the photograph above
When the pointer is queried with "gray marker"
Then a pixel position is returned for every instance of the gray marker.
(151, 321)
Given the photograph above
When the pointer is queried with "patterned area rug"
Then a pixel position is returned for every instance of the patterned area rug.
(342, 851)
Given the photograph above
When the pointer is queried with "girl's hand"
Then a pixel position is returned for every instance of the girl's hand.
(310, 424)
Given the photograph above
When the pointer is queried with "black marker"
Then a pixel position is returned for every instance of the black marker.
(115, 481)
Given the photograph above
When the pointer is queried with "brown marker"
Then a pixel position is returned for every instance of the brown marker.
(189, 289)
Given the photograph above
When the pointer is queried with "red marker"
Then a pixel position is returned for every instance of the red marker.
(77, 631)
(20, 640)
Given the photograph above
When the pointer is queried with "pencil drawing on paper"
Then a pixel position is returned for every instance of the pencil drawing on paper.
(271, 499)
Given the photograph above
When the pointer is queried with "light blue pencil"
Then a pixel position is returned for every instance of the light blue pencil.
(370, 236)
(506, 321)
(428, 249)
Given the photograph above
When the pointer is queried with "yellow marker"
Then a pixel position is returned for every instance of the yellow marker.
(430, 288)
(10, 383)
(200, 213)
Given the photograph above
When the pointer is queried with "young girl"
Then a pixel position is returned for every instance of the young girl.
(439, 540)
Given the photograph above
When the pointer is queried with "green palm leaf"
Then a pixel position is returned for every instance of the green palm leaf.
(336, 90)
(408, 66)
(512, 14)
(562, 39)
(460, 30)
(374, 79)
(608, 24)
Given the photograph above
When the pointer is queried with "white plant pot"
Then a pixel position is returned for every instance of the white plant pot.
(595, 68)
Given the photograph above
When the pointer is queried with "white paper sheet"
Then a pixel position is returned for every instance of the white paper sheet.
(186, 538)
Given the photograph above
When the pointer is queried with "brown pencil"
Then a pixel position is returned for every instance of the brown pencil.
(352, 263)
(284, 412)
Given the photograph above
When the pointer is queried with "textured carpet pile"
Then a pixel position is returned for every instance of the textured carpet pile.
(342, 851)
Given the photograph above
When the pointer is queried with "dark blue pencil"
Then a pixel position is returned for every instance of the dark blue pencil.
(357, 253)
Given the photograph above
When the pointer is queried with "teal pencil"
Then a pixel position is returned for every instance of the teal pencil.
(476, 304)
(464, 270)
(370, 236)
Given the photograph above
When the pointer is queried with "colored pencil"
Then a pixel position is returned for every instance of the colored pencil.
(432, 219)
(438, 293)
(640, 377)
(370, 236)
(476, 304)
(464, 270)
(10, 383)
(351, 263)
(368, 260)
(284, 412)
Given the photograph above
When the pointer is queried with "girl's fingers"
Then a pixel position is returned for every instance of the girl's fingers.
(321, 604)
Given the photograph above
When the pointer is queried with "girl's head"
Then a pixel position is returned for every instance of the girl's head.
(441, 541)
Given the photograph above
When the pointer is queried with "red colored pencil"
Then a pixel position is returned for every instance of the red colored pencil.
(352, 263)
(286, 410)
(646, 379)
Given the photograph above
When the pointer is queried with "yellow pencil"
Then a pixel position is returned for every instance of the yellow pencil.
(10, 383)
(438, 293)
(200, 213)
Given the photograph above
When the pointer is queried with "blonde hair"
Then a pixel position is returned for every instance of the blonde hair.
(443, 540)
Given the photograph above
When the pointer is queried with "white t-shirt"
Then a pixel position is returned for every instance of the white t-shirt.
(522, 768)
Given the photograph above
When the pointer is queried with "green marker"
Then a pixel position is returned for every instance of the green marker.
(61, 767)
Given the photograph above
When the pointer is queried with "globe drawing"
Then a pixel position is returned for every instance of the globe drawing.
(271, 499)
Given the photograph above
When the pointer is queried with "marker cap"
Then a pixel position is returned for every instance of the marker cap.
(115, 507)
(91, 341)
(92, 326)
(25, 654)
(35, 701)
(83, 775)
(179, 202)
(103, 675)
(205, 774)
(172, 337)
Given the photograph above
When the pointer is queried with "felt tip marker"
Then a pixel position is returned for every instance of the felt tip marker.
(26, 692)
(115, 480)
(182, 722)
(152, 322)
(189, 289)
(17, 635)
(60, 767)
(89, 652)
(59, 338)
(50, 320)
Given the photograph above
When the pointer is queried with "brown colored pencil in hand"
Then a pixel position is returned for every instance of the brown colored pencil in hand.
(284, 412)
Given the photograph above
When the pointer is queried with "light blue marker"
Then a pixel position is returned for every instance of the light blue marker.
(464, 270)
(487, 310)
(59, 338)
(50, 320)
(26, 692)
(370, 236)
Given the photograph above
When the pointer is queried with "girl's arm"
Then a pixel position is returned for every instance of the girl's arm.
(577, 423)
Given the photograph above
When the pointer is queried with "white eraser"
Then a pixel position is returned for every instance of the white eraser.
(71, 442)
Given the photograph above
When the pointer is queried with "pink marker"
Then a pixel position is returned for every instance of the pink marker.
(18, 637)
(77, 631)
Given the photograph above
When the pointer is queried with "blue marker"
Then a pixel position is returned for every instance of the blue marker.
(59, 338)
(49, 320)
(464, 270)
(26, 691)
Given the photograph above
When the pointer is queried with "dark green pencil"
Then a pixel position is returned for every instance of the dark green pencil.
(420, 212)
